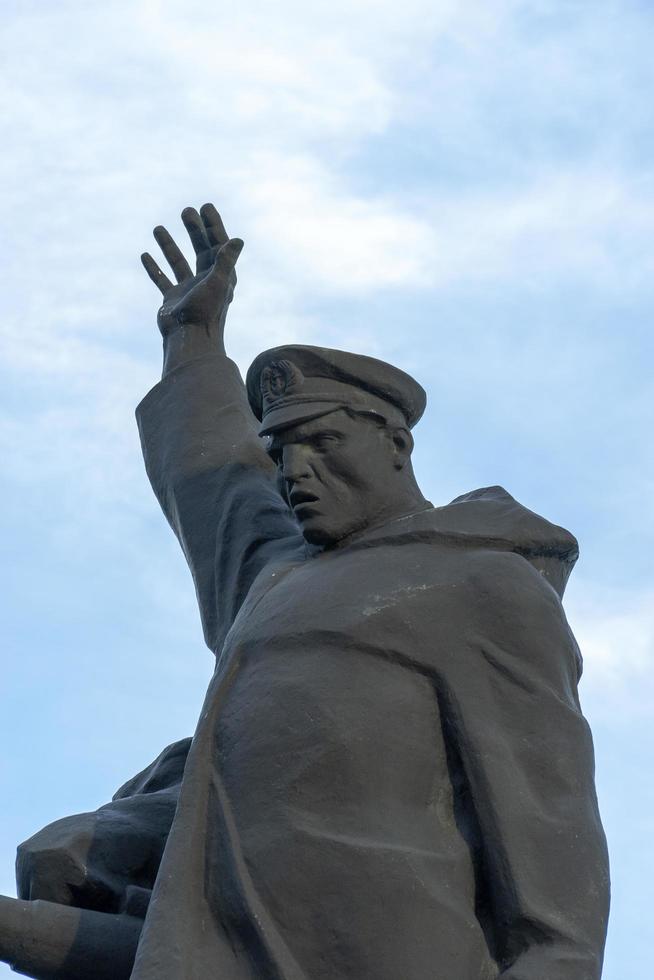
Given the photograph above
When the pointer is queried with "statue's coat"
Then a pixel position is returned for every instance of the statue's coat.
(391, 778)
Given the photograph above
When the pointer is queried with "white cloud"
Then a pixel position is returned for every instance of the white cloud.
(572, 223)
(282, 75)
(128, 111)
(117, 115)
(576, 224)
(332, 238)
(615, 632)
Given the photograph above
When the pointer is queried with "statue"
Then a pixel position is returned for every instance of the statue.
(391, 777)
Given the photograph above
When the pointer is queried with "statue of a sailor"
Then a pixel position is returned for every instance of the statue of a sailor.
(391, 777)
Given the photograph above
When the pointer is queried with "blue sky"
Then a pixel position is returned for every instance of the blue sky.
(465, 190)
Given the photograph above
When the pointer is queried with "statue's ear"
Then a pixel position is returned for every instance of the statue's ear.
(402, 446)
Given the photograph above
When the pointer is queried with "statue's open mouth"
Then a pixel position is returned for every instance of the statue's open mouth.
(302, 499)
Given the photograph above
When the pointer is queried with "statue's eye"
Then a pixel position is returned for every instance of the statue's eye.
(324, 441)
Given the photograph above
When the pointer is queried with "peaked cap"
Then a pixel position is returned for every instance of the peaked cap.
(293, 384)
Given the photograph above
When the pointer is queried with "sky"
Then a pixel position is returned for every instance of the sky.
(465, 190)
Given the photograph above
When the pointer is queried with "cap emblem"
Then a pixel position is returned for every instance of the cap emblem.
(280, 378)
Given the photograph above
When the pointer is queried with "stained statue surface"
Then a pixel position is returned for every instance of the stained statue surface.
(391, 777)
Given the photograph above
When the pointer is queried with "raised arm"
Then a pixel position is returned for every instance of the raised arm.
(212, 477)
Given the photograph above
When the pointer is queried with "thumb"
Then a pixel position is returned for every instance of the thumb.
(226, 258)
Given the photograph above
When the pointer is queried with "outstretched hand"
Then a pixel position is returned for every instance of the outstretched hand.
(199, 299)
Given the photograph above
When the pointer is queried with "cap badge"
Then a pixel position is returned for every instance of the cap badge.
(280, 378)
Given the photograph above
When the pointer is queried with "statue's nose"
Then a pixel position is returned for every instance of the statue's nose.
(295, 462)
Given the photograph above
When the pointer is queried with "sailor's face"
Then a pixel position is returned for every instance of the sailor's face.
(336, 472)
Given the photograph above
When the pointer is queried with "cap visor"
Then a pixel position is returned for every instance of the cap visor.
(282, 418)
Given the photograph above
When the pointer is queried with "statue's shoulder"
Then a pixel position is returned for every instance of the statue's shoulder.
(496, 524)
(503, 579)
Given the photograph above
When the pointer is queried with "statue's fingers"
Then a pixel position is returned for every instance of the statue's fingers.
(198, 235)
(161, 281)
(173, 254)
(214, 226)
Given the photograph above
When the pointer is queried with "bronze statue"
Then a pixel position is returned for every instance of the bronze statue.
(391, 778)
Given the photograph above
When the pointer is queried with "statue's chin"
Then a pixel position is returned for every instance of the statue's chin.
(324, 536)
(320, 536)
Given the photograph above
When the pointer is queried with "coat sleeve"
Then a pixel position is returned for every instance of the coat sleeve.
(216, 485)
(518, 737)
